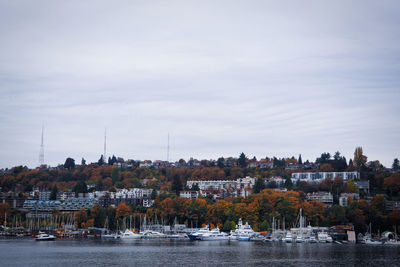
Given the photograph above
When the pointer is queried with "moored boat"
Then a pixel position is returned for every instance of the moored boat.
(44, 237)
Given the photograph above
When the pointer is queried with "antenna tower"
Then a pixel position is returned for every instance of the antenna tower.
(105, 145)
(168, 149)
(41, 155)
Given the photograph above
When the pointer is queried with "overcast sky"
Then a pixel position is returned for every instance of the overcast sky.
(269, 78)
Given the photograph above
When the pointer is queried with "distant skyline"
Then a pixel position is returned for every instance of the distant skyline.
(265, 78)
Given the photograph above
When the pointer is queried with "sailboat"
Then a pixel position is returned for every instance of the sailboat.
(369, 240)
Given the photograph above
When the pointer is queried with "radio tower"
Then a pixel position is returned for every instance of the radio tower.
(41, 155)
(168, 149)
(105, 144)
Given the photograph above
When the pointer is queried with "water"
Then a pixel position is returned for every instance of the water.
(27, 252)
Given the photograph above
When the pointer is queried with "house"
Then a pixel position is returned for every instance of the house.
(323, 197)
(343, 198)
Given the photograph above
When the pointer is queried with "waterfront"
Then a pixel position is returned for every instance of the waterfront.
(27, 252)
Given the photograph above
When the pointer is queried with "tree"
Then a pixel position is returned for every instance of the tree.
(242, 161)
(392, 184)
(220, 162)
(53, 194)
(122, 210)
(80, 187)
(81, 218)
(176, 184)
(69, 163)
(264, 226)
(351, 187)
(359, 158)
(101, 160)
(99, 185)
(288, 183)
(259, 186)
(396, 165)
(300, 161)
(83, 162)
(115, 174)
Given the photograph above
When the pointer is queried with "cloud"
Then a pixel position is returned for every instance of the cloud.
(261, 77)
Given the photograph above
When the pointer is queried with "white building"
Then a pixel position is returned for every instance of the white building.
(239, 183)
(323, 197)
(318, 177)
(189, 194)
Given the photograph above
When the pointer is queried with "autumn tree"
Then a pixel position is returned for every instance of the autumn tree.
(122, 210)
(359, 158)
(81, 218)
(392, 184)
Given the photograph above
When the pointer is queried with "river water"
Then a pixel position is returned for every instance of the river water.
(28, 252)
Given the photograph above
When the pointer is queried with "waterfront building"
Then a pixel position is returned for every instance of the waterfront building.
(320, 176)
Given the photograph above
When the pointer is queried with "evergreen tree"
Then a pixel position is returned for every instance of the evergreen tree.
(83, 162)
(99, 185)
(69, 163)
(259, 186)
(54, 191)
(101, 160)
(288, 183)
(395, 165)
(242, 161)
(115, 175)
(220, 162)
(80, 187)
(300, 161)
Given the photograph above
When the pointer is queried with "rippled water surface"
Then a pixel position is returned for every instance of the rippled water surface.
(27, 252)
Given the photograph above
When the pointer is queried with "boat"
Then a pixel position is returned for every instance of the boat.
(369, 240)
(289, 237)
(329, 239)
(322, 237)
(196, 235)
(299, 239)
(128, 234)
(312, 239)
(214, 235)
(153, 234)
(243, 232)
(44, 237)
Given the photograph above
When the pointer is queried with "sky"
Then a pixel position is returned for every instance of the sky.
(267, 78)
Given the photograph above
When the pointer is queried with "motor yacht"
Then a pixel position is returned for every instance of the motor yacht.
(214, 235)
(243, 232)
(128, 234)
(44, 237)
(196, 235)
(153, 234)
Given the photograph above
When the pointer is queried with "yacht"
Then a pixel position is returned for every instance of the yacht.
(214, 235)
(371, 241)
(322, 237)
(312, 239)
(44, 237)
(299, 239)
(128, 234)
(242, 232)
(153, 234)
(288, 237)
(196, 235)
(329, 239)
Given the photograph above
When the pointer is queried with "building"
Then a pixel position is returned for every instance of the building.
(323, 197)
(239, 183)
(189, 194)
(343, 199)
(363, 186)
(318, 177)
(44, 195)
(392, 205)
